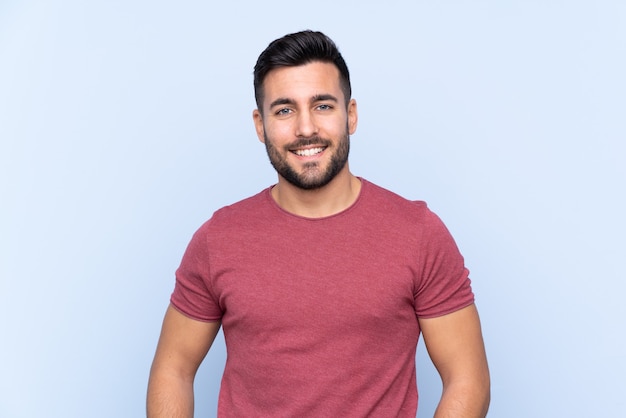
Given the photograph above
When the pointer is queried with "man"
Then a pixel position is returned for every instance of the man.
(323, 282)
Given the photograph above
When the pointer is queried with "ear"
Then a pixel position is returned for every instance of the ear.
(258, 125)
(353, 116)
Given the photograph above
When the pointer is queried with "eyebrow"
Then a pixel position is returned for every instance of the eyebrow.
(281, 101)
(324, 98)
(317, 98)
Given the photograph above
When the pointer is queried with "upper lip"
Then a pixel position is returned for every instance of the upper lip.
(308, 143)
(308, 147)
(303, 152)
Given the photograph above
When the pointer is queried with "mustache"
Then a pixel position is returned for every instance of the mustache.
(305, 142)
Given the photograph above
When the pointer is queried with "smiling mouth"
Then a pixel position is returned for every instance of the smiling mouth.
(309, 152)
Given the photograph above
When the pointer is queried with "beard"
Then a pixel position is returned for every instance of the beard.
(312, 176)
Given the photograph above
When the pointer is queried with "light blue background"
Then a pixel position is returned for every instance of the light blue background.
(125, 124)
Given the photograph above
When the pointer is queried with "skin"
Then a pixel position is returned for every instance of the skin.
(304, 109)
(455, 345)
(302, 103)
(182, 346)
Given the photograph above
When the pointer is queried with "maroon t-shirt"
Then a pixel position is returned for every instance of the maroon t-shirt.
(320, 315)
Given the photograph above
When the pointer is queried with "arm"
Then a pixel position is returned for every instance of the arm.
(455, 345)
(182, 346)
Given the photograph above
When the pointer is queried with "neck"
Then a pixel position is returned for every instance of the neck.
(333, 198)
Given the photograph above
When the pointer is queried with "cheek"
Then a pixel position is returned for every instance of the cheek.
(279, 131)
(337, 127)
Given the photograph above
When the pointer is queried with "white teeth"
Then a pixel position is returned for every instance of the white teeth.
(308, 152)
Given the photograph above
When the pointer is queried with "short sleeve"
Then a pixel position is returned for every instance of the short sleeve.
(192, 295)
(443, 285)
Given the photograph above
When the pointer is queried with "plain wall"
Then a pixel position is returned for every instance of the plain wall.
(125, 124)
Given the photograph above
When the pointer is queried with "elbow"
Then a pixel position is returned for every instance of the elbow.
(486, 399)
(482, 395)
(467, 397)
(481, 392)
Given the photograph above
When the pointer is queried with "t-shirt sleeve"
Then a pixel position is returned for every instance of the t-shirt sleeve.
(192, 295)
(443, 285)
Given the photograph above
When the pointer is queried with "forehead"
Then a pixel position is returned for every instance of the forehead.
(302, 82)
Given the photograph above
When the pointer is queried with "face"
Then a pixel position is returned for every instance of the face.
(305, 124)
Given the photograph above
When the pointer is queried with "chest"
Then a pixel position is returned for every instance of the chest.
(346, 280)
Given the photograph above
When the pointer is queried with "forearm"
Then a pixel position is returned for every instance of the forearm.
(169, 396)
(469, 400)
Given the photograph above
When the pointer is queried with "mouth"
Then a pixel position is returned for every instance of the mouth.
(308, 152)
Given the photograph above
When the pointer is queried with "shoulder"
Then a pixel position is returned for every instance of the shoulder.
(412, 220)
(243, 208)
(391, 204)
(241, 213)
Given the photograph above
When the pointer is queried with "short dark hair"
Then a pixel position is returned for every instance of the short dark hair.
(297, 49)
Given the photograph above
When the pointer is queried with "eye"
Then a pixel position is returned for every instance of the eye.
(283, 111)
(324, 107)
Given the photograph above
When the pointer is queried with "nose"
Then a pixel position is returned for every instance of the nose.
(306, 126)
